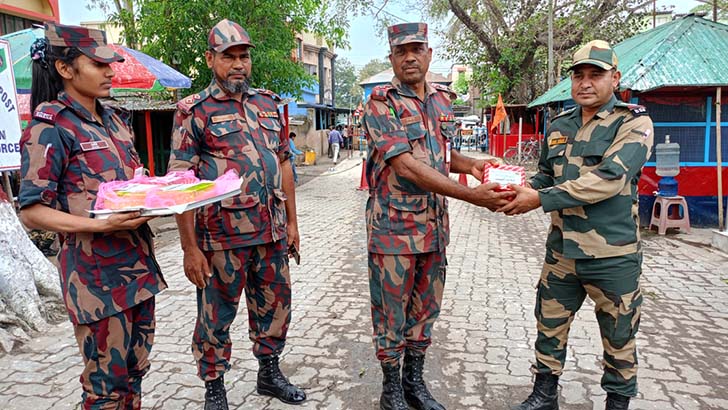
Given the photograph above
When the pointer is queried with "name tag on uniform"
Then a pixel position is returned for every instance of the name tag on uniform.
(268, 114)
(94, 145)
(222, 118)
(411, 120)
(557, 141)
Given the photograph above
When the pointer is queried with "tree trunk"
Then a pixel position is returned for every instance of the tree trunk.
(25, 275)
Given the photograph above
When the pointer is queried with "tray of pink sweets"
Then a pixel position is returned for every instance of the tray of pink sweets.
(174, 193)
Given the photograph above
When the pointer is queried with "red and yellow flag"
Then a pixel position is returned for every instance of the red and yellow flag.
(500, 113)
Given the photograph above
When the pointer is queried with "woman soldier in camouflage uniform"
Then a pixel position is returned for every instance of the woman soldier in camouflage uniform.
(109, 275)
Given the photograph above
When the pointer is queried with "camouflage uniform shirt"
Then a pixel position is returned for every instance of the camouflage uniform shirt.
(588, 177)
(402, 218)
(213, 133)
(66, 154)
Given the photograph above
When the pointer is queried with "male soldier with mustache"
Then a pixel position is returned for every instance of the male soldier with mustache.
(240, 243)
(587, 180)
(409, 126)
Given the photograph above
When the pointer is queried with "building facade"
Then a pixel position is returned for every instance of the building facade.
(314, 111)
(17, 15)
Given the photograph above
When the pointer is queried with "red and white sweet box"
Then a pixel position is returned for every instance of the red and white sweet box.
(504, 175)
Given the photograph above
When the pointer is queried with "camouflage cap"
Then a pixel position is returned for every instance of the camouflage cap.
(596, 52)
(226, 34)
(407, 33)
(91, 42)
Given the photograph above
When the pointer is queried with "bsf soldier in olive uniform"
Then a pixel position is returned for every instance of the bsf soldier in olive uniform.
(587, 180)
(109, 275)
(240, 243)
(409, 126)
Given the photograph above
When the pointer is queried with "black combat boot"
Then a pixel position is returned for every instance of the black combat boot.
(271, 382)
(544, 396)
(617, 402)
(392, 394)
(415, 389)
(215, 396)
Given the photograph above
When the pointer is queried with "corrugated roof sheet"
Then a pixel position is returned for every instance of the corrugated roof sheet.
(689, 52)
(140, 102)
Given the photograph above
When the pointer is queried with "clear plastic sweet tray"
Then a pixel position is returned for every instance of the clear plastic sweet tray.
(170, 210)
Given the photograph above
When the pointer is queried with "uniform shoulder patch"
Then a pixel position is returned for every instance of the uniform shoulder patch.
(635, 109)
(185, 105)
(48, 111)
(270, 93)
(564, 113)
(445, 89)
(380, 92)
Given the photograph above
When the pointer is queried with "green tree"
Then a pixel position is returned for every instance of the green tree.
(176, 32)
(373, 67)
(708, 6)
(504, 41)
(348, 92)
(122, 13)
(462, 85)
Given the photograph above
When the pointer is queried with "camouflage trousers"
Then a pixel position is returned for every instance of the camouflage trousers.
(115, 354)
(613, 286)
(406, 293)
(260, 270)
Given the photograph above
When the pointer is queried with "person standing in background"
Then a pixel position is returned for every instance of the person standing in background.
(335, 142)
(294, 152)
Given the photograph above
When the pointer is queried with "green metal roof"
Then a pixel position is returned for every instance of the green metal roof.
(688, 52)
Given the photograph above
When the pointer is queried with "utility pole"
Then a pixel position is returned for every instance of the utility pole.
(654, 14)
(551, 45)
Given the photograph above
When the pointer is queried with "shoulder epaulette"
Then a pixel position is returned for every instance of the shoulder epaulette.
(635, 109)
(565, 112)
(270, 93)
(185, 105)
(445, 89)
(380, 92)
(48, 111)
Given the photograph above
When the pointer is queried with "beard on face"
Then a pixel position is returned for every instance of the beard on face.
(234, 86)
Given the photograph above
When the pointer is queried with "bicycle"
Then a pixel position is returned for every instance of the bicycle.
(530, 153)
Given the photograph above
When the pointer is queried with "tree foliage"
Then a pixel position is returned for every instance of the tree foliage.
(373, 67)
(505, 41)
(175, 31)
(123, 13)
(707, 6)
(348, 91)
(461, 85)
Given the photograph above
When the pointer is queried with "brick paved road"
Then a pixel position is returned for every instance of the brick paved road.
(483, 339)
